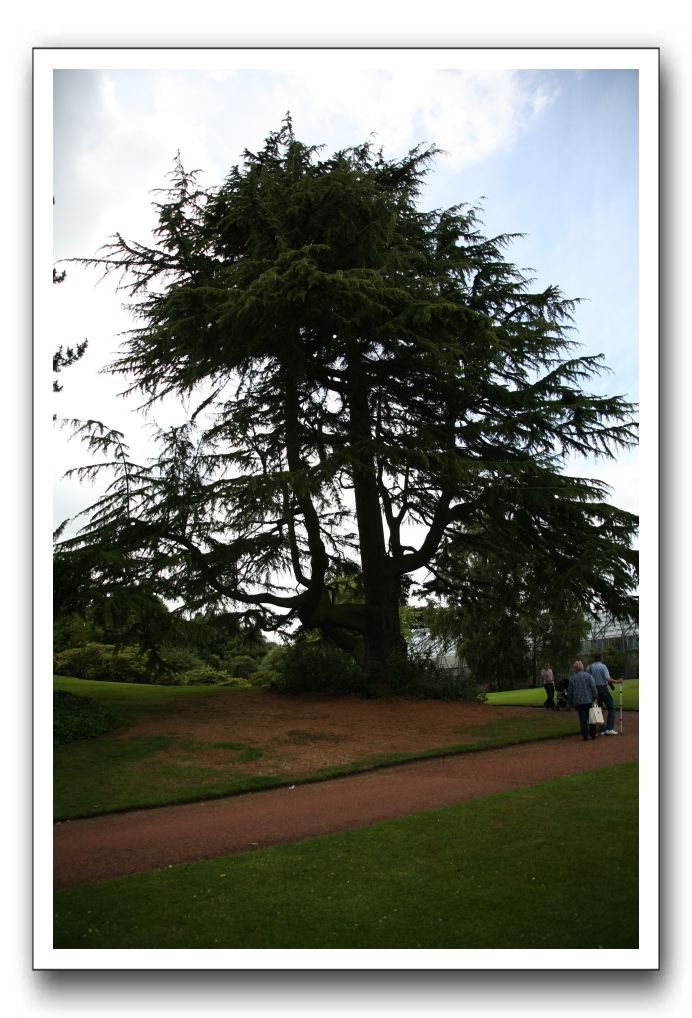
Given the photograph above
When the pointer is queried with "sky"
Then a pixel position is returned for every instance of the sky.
(549, 153)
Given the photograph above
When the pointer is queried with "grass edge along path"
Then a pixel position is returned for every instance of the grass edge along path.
(107, 774)
(261, 783)
(535, 696)
(510, 870)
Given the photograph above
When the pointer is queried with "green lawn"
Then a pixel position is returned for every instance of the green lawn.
(536, 697)
(135, 698)
(514, 870)
(117, 771)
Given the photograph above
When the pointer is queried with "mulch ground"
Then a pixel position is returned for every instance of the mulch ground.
(300, 734)
(87, 851)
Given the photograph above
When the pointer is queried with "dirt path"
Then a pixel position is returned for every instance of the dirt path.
(87, 851)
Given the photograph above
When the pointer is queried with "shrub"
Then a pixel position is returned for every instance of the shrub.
(79, 717)
(263, 678)
(127, 664)
(418, 675)
(169, 679)
(237, 683)
(240, 664)
(271, 662)
(72, 630)
(308, 667)
(180, 659)
(103, 661)
(204, 676)
(82, 662)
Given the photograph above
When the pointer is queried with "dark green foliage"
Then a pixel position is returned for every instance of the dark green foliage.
(180, 658)
(204, 676)
(240, 665)
(308, 667)
(273, 658)
(420, 676)
(104, 661)
(108, 663)
(74, 630)
(79, 717)
(616, 661)
(217, 637)
(505, 621)
(167, 645)
(355, 366)
(82, 662)
(496, 652)
(90, 585)
(557, 635)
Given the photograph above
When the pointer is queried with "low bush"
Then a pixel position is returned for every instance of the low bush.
(83, 662)
(203, 676)
(238, 682)
(169, 679)
(179, 659)
(315, 667)
(271, 662)
(419, 676)
(241, 665)
(73, 630)
(103, 661)
(263, 678)
(79, 717)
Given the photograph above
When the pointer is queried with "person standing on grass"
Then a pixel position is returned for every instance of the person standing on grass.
(602, 678)
(549, 686)
(581, 693)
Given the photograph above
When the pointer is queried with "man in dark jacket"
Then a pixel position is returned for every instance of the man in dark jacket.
(601, 677)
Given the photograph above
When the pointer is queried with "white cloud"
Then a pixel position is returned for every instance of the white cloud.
(469, 114)
(125, 127)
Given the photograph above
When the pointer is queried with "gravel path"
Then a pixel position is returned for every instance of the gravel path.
(100, 848)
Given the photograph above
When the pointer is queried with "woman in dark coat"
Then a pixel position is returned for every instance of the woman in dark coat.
(581, 693)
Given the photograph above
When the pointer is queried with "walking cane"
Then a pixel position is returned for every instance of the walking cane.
(620, 681)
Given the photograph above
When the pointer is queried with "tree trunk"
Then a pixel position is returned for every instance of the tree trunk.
(382, 634)
(383, 637)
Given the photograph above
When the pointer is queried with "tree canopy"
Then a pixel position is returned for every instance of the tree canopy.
(506, 619)
(374, 389)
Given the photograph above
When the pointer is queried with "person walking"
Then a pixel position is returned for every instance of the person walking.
(601, 677)
(581, 693)
(549, 686)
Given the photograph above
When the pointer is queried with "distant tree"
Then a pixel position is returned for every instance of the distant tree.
(506, 619)
(360, 367)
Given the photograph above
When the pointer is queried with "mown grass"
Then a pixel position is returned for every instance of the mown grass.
(137, 698)
(514, 870)
(536, 697)
(116, 772)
